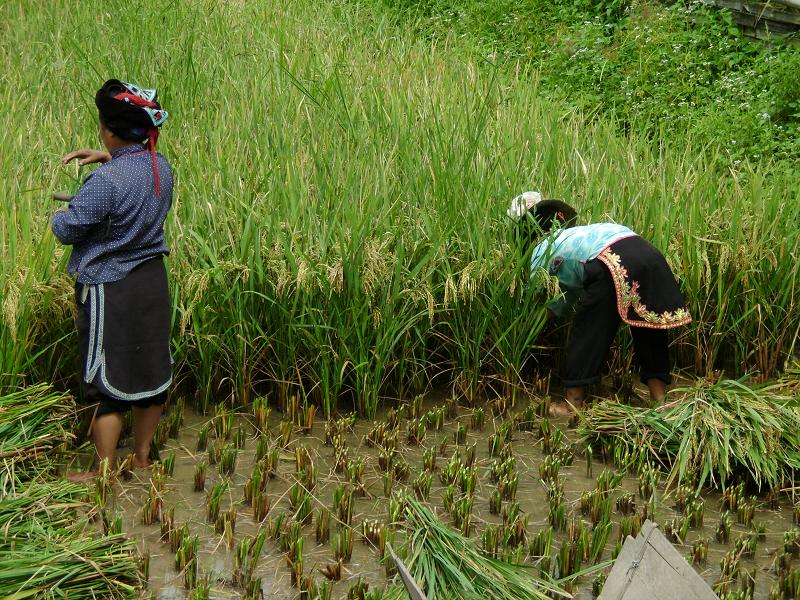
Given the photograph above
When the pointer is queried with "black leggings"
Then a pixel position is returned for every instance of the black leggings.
(593, 331)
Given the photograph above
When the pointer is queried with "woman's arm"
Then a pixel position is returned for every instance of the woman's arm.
(90, 207)
(87, 156)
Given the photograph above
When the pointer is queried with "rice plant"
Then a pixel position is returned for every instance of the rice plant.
(708, 433)
(458, 564)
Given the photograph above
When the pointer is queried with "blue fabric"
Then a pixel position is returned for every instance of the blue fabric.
(115, 221)
(565, 252)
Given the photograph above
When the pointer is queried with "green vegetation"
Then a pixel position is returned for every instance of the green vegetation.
(50, 543)
(710, 433)
(338, 230)
(441, 561)
(679, 72)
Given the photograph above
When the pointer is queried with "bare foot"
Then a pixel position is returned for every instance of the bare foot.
(141, 464)
(82, 476)
(562, 408)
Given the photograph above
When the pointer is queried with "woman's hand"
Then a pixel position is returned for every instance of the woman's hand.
(87, 156)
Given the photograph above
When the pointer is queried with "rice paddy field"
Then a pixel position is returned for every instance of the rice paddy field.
(357, 355)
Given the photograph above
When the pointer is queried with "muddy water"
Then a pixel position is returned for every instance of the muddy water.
(217, 560)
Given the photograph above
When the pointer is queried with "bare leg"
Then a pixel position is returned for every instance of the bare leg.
(574, 402)
(658, 389)
(106, 430)
(145, 421)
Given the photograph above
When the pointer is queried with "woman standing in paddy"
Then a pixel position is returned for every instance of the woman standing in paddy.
(115, 224)
(614, 276)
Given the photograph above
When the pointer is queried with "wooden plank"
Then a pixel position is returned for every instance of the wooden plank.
(650, 567)
(760, 11)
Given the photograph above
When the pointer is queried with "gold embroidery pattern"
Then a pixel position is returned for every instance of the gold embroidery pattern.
(628, 298)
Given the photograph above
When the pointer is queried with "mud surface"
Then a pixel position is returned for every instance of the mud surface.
(216, 559)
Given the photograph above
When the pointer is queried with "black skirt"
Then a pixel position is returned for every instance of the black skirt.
(123, 333)
(647, 293)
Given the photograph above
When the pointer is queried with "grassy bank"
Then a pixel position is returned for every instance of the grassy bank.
(338, 228)
(679, 71)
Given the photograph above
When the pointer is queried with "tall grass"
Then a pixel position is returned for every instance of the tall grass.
(338, 225)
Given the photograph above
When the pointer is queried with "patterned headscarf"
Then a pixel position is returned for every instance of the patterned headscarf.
(132, 112)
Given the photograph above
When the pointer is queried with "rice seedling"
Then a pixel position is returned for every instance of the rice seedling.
(746, 545)
(723, 533)
(213, 499)
(358, 591)
(388, 483)
(429, 460)
(699, 554)
(396, 507)
(460, 565)
(240, 437)
(415, 433)
(261, 413)
(186, 561)
(477, 419)
(731, 497)
(167, 523)
(285, 433)
(541, 545)
(401, 471)
(175, 419)
(549, 468)
(214, 452)
(169, 464)
(332, 571)
(630, 526)
(747, 584)
(492, 540)
(302, 503)
(102, 485)
(730, 566)
(626, 504)
(782, 563)
(760, 530)
(227, 460)
(305, 418)
(695, 513)
(200, 477)
(460, 435)
(597, 585)
(791, 542)
(223, 422)
(342, 544)
(507, 486)
(422, 485)
(322, 525)
(355, 473)
(676, 529)
(112, 527)
(225, 524)
(499, 439)
(746, 511)
(435, 418)
(469, 455)
(202, 590)
(176, 537)
(151, 508)
(246, 557)
(758, 439)
(343, 503)
(526, 419)
(600, 533)
(648, 481)
(143, 566)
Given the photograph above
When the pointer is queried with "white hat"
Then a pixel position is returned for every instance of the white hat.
(522, 204)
